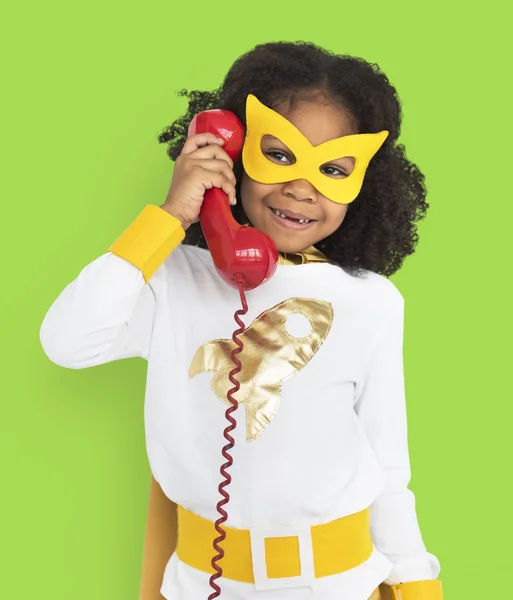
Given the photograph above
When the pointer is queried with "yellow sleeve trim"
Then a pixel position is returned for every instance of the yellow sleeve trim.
(149, 240)
(418, 590)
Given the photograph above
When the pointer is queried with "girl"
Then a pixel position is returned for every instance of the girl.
(320, 504)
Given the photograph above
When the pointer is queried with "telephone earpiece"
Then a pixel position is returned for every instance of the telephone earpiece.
(243, 256)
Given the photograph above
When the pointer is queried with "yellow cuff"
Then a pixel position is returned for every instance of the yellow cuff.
(149, 240)
(418, 590)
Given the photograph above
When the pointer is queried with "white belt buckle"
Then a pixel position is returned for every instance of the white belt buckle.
(306, 557)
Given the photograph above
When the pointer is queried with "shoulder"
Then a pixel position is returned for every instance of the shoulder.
(368, 286)
(371, 294)
(380, 287)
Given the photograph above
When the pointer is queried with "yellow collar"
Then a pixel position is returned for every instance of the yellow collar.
(309, 255)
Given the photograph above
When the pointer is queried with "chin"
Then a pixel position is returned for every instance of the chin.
(288, 246)
(288, 242)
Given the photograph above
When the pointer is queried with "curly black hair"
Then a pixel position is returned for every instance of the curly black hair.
(379, 230)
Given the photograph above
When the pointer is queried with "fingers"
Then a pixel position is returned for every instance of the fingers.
(219, 180)
(220, 166)
(200, 140)
(204, 159)
(210, 151)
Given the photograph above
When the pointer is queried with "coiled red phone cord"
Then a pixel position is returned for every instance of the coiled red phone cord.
(231, 442)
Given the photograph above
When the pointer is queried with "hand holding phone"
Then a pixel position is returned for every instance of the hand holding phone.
(243, 256)
(202, 165)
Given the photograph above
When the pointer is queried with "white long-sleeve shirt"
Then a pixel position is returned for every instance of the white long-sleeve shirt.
(335, 442)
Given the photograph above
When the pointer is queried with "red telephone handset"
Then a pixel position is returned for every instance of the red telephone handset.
(243, 256)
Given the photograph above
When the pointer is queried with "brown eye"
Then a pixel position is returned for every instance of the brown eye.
(332, 171)
(278, 156)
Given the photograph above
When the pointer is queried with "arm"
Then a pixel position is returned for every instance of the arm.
(381, 407)
(107, 312)
(159, 542)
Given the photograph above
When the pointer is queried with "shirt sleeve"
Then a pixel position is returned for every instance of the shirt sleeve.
(107, 312)
(381, 408)
(104, 315)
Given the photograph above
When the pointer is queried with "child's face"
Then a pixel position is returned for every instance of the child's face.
(319, 122)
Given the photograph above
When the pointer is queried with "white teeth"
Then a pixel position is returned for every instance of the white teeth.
(280, 214)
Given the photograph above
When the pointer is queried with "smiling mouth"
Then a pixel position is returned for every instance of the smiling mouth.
(281, 215)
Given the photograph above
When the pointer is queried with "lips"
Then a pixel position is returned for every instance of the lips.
(281, 218)
(287, 214)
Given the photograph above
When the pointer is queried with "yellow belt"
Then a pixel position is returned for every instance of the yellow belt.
(336, 547)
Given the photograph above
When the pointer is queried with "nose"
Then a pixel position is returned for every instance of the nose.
(300, 189)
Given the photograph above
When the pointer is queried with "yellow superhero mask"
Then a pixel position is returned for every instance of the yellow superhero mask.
(262, 121)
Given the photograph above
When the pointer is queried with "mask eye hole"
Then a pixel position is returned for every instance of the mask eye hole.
(276, 152)
(339, 168)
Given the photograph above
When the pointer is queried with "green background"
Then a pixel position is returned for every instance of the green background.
(87, 88)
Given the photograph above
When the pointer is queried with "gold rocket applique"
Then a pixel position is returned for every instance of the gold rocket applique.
(270, 356)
